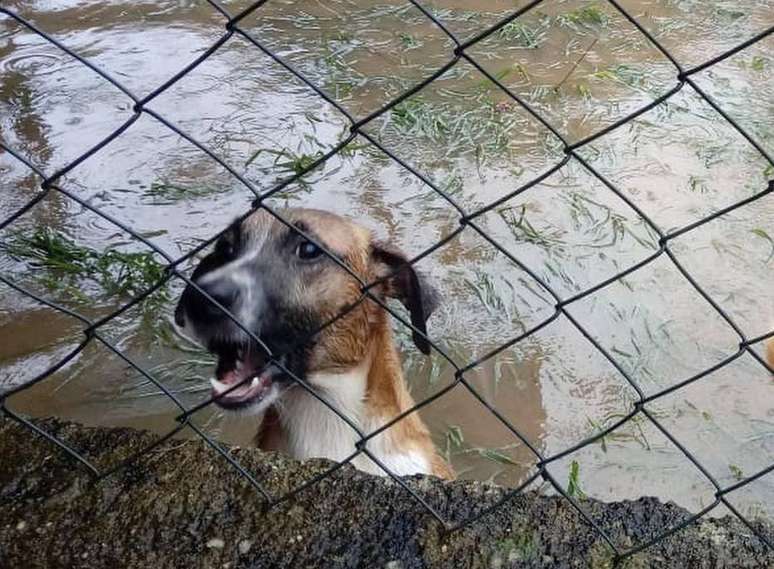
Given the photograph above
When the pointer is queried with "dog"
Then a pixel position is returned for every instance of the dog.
(284, 289)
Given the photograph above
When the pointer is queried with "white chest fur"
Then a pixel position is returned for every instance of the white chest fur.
(313, 430)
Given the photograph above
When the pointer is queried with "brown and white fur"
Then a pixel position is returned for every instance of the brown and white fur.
(284, 290)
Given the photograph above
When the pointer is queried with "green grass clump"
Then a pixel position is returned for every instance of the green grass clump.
(485, 128)
(454, 441)
(524, 231)
(728, 14)
(736, 472)
(584, 18)
(573, 482)
(524, 35)
(64, 264)
(758, 63)
(629, 75)
(286, 161)
(416, 115)
(408, 41)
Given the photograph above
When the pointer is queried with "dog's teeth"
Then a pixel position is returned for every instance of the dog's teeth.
(255, 382)
(218, 386)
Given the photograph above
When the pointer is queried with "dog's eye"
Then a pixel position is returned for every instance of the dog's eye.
(307, 250)
(226, 248)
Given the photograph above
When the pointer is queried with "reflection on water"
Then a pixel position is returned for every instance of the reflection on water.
(579, 64)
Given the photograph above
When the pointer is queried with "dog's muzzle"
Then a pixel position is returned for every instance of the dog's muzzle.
(243, 376)
(201, 310)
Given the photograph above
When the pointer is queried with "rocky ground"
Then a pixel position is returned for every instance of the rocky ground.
(184, 506)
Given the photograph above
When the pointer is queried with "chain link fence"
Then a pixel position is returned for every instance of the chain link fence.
(468, 221)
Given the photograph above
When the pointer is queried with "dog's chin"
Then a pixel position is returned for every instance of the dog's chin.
(259, 404)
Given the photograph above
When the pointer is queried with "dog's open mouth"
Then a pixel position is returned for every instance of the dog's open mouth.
(242, 376)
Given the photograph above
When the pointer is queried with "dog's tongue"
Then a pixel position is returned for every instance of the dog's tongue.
(250, 389)
(231, 377)
(226, 381)
(241, 384)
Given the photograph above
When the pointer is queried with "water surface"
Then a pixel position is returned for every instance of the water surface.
(580, 64)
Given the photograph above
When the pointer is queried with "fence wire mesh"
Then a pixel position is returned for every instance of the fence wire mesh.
(50, 182)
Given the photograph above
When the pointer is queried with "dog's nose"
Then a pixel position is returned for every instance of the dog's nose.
(222, 291)
(180, 315)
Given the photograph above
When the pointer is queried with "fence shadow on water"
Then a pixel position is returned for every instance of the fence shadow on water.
(469, 221)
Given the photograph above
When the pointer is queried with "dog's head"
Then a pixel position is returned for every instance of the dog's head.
(283, 288)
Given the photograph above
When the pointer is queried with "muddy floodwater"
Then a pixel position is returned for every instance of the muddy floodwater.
(581, 65)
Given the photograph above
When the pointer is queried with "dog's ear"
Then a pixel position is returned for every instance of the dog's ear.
(406, 285)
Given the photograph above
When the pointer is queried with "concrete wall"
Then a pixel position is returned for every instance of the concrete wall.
(183, 506)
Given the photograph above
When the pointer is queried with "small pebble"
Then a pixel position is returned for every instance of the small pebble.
(216, 543)
(21, 526)
(244, 546)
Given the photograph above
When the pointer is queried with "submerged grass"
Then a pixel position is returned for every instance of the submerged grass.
(525, 35)
(170, 192)
(524, 231)
(454, 441)
(627, 74)
(490, 296)
(474, 123)
(583, 19)
(758, 232)
(591, 227)
(62, 264)
(634, 431)
(455, 445)
(287, 163)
